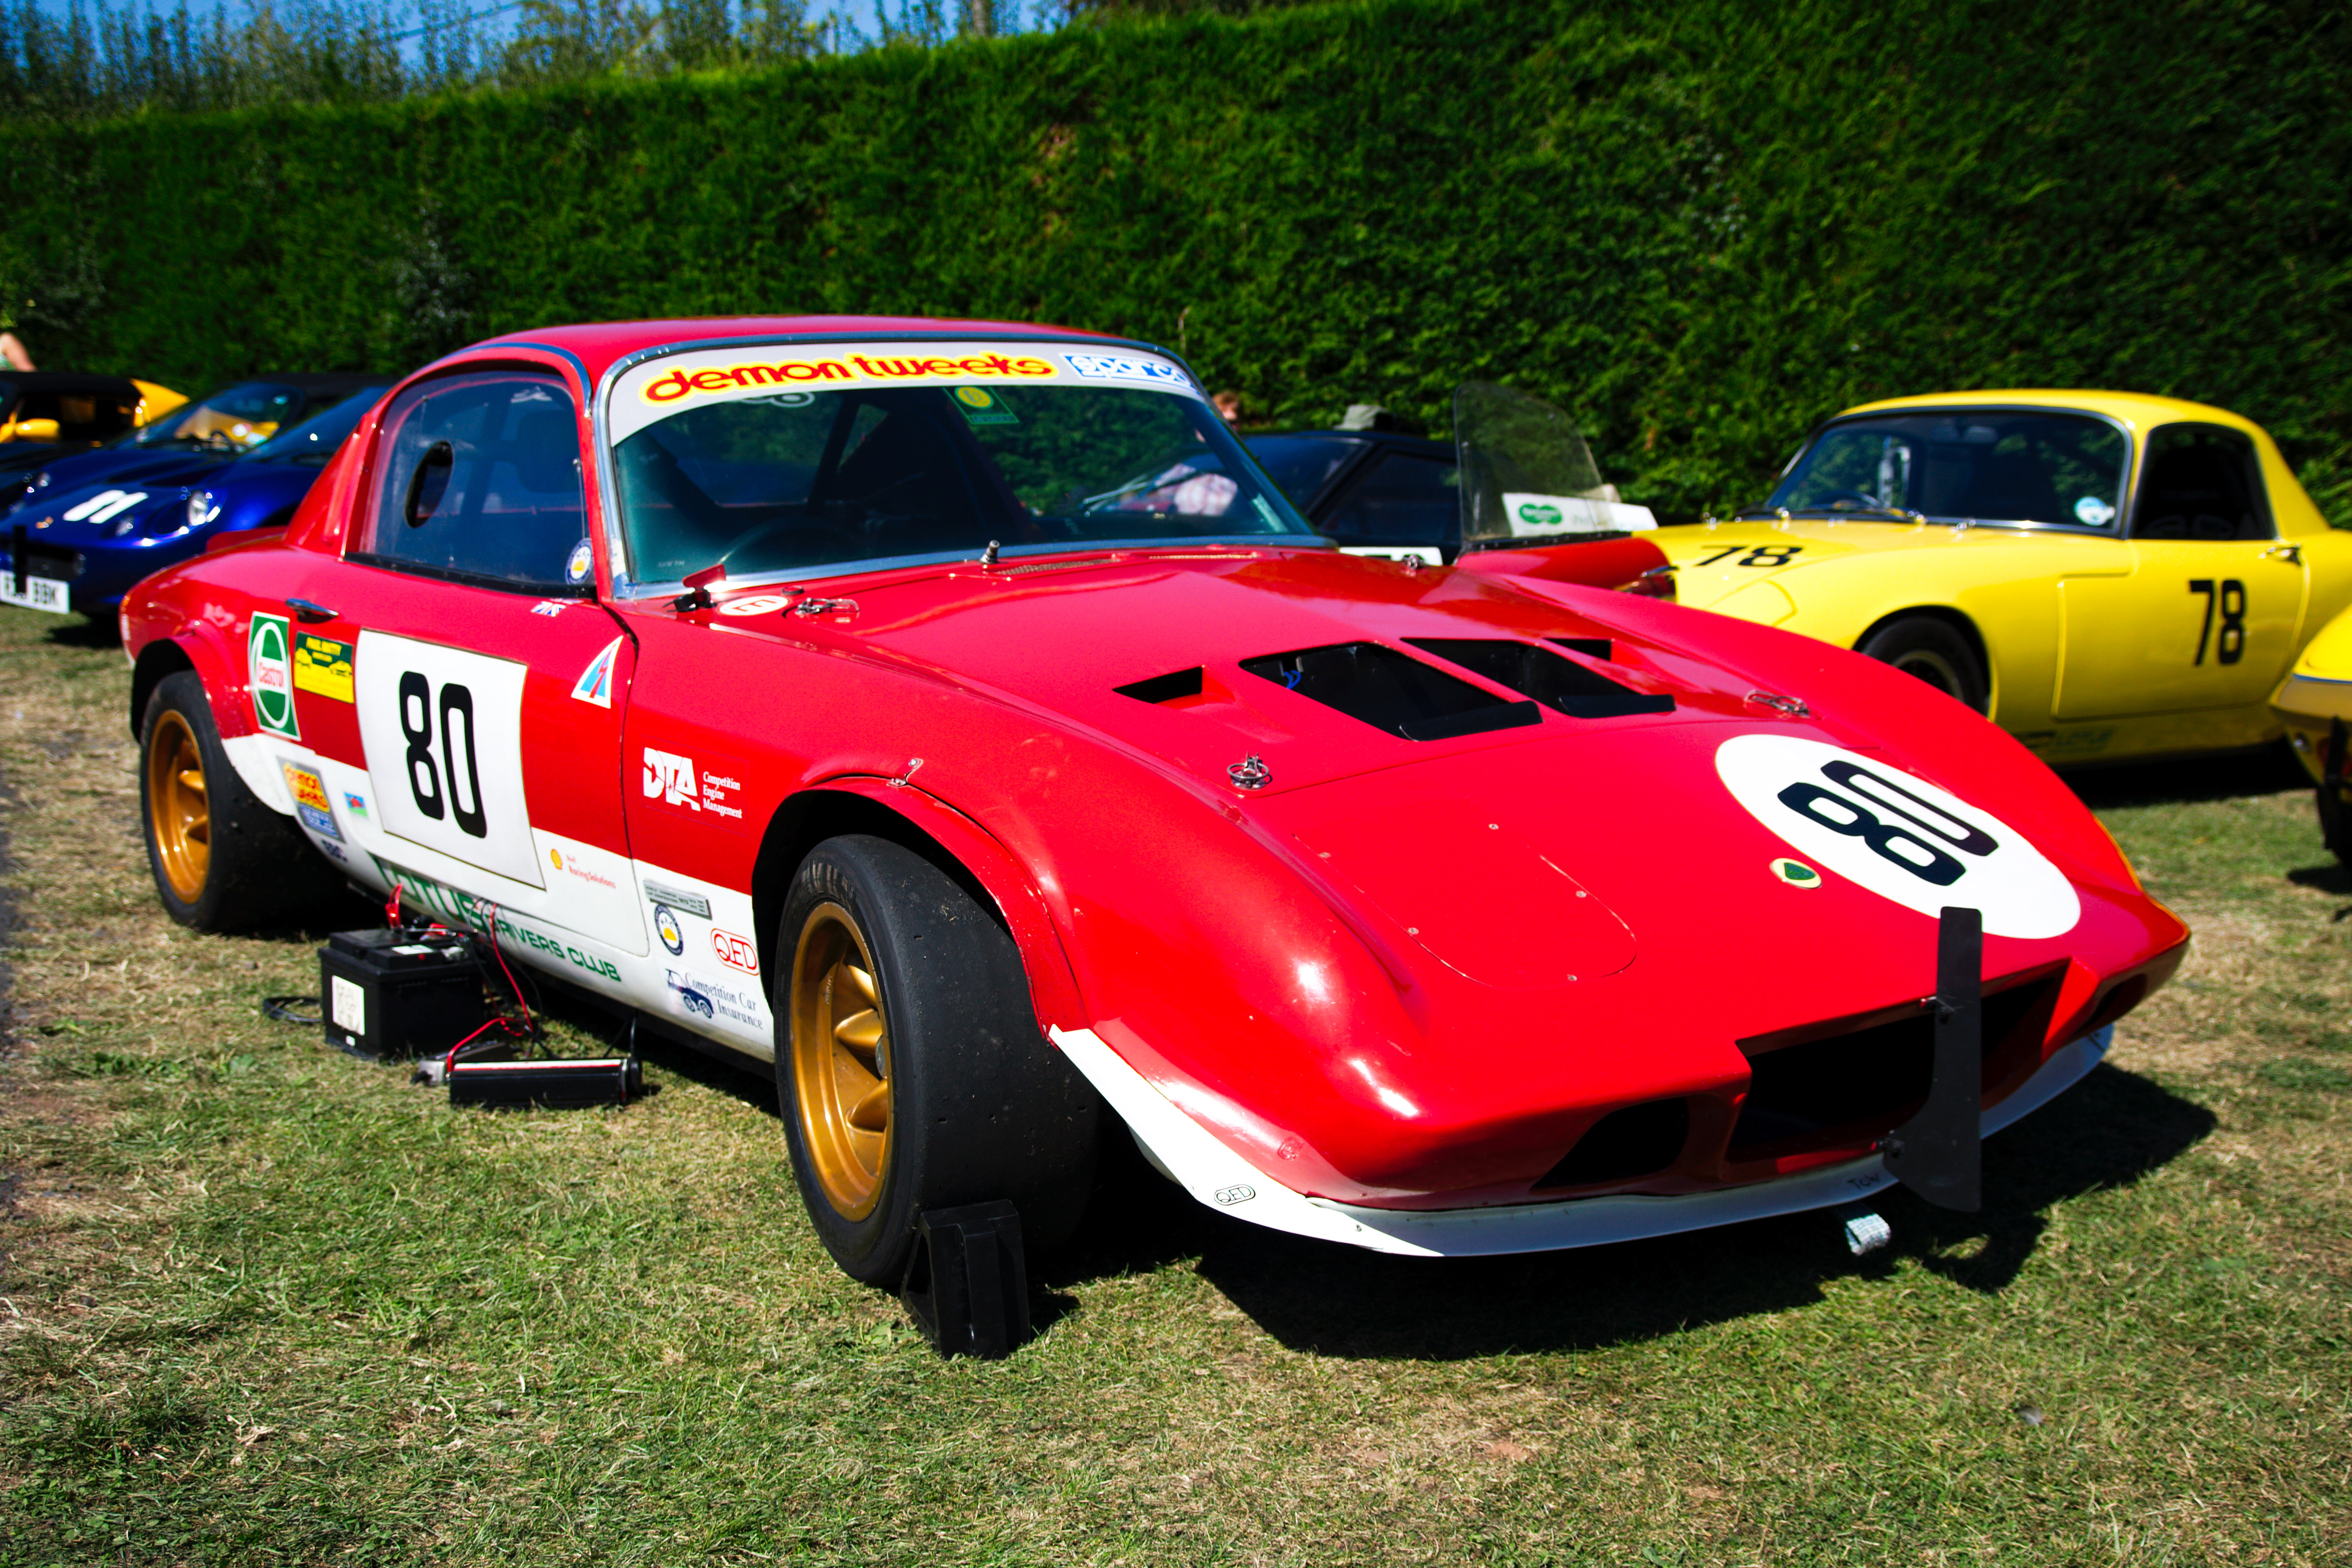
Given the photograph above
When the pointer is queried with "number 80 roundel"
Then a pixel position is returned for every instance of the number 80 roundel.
(1896, 835)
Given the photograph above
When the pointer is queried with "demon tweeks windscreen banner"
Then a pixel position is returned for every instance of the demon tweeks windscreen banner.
(653, 391)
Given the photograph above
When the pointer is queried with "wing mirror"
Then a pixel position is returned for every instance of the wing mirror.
(429, 483)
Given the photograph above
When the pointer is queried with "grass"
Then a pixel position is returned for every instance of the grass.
(264, 1303)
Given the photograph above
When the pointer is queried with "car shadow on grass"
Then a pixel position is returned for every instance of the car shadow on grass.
(1326, 1299)
(2333, 877)
(87, 632)
(2108, 1131)
(2224, 775)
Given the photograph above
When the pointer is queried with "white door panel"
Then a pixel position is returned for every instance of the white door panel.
(443, 734)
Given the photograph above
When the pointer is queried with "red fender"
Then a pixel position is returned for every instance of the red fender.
(1053, 985)
(1596, 564)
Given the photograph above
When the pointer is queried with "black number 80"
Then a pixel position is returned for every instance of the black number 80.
(457, 710)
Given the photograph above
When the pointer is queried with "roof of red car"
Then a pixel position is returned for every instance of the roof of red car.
(598, 344)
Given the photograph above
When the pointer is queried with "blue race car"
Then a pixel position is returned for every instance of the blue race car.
(192, 438)
(81, 540)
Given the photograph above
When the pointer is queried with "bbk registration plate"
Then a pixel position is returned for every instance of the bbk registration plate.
(38, 594)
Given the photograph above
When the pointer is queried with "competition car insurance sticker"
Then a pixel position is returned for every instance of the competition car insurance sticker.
(1896, 835)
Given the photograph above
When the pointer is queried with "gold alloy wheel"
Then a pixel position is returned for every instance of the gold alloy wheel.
(179, 812)
(841, 1061)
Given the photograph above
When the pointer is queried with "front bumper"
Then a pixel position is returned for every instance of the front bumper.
(2308, 705)
(1204, 1166)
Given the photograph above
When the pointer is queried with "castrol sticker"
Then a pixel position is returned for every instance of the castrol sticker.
(1896, 835)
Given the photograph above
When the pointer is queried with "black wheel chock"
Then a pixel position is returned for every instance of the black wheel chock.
(968, 1283)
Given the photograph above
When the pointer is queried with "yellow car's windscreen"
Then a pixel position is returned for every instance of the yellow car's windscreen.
(1978, 466)
(236, 419)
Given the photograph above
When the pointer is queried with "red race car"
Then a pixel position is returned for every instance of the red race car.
(952, 715)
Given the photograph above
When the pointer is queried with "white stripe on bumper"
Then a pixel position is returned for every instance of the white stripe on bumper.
(1202, 1166)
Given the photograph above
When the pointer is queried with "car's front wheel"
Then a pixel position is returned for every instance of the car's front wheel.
(909, 1066)
(222, 859)
(1934, 651)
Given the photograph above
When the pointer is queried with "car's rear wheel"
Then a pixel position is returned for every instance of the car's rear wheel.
(222, 859)
(909, 1066)
(1934, 651)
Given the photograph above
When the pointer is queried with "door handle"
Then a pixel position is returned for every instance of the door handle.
(2290, 553)
(309, 612)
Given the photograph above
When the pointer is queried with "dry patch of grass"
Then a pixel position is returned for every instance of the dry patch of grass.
(261, 1302)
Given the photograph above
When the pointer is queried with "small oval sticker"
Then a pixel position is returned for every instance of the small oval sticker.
(1796, 873)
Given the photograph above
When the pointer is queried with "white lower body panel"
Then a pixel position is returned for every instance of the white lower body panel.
(1202, 1164)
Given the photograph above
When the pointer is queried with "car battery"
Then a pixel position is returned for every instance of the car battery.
(386, 994)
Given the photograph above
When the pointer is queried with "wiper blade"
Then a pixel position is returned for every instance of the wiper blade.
(1892, 513)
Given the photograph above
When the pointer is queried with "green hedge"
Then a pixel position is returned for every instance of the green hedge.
(1701, 225)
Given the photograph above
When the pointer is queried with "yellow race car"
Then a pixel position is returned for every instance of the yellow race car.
(2314, 702)
(2107, 576)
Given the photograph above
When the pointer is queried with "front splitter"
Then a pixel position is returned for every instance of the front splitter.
(1204, 1166)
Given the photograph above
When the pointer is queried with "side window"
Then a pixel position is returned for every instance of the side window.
(2204, 482)
(1405, 499)
(479, 476)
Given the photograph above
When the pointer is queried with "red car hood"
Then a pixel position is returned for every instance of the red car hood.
(1541, 897)
(1068, 634)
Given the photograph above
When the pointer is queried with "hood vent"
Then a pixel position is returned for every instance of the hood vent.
(1164, 688)
(1391, 690)
(1551, 679)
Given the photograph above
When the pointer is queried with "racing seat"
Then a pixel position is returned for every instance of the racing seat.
(2198, 491)
(909, 479)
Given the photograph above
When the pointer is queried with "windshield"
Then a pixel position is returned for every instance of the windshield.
(1525, 474)
(314, 440)
(731, 458)
(235, 419)
(74, 413)
(1303, 465)
(1980, 465)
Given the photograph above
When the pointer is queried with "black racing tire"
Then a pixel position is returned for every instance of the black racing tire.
(1936, 652)
(221, 858)
(901, 1007)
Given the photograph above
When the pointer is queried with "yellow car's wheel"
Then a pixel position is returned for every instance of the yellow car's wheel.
(1935, 651)
(909, 1066)
(222, 859)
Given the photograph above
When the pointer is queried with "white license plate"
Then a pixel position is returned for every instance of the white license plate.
(40, 593)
